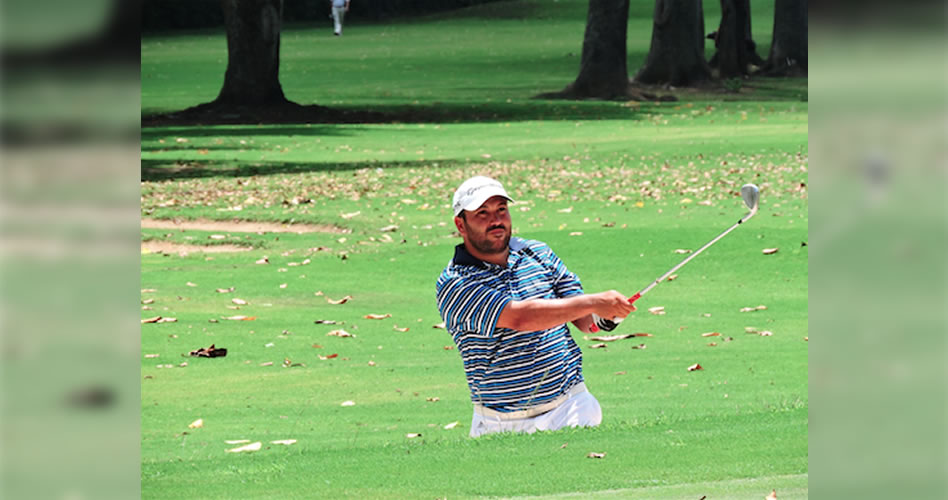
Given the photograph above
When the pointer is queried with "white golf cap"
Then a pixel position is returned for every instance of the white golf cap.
(475, 191)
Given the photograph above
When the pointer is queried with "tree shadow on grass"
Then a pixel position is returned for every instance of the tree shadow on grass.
(162, 170)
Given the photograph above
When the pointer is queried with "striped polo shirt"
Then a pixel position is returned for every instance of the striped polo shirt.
(509, 370)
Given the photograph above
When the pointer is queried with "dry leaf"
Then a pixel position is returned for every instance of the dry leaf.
(659, 310)
(597, 346)
(191, 284)
(285, 442)
(331, 356)
(433, 400)
(377, 316)
(766, 333)
(239, 302)
(397, 329)
(806, 339)
(389, 229)
(325, 322)
(151, 355)
(610, 338)
(412, 435)
(640, 346)
(371, 363)
(565, 210)
(282, 285)
(695, 367)
(197, 424)
(772, 495)
(148, 301)
(167, 320)
(237, 441)
(149, 290)
(340, 301)
(682, 250)
(225, 290)
(642, 334)
(151, 320)
(351, 214)
(712, 344)
(264, 260)
(267, 363)
(339, 333)
(451, 425)
(348, 403)
(250, 447)
(750, 329)
(711, 334)
(448, 347)
(770, 251)
(241, 318)
(672, 277)
(576, 233)
(440, 326)
(593, 454)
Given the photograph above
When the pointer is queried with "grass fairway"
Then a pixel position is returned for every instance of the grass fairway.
(614, 188)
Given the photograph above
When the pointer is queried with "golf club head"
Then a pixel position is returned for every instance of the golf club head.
(751, 196)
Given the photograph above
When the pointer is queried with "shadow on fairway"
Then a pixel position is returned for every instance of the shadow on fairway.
(161, 170)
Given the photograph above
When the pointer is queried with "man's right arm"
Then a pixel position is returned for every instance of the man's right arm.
(541, 314)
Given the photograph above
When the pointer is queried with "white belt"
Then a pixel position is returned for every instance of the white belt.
(530, 412)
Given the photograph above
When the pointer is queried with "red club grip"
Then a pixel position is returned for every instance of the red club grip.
(635, 297)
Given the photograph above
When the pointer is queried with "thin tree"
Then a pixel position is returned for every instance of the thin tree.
(736, 52)
(788, 50)
(676, 55)
(603, 72)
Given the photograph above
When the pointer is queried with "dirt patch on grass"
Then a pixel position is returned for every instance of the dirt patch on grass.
(168, 247)
(240, 226)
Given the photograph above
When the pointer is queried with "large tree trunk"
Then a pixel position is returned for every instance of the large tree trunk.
(788, 51)
(736, 50)
(676, 56)
(253, 53)
(603, 72)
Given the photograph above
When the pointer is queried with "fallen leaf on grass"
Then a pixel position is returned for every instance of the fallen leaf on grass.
(285, 442)
(766, 333)
(451, 425)
(282, 285)
(610, 338)
(623, 372)
(593, 454)
(433, 399)
(241, 318)
(772, 495)
(264, 260)
(597, 346)
(191, 284)
(239, 302)
(348, 403)
(209, 352)
(712, 344)
(197, 424)
(752, 309)
(682, 250)
(377, 316)
(340, 301)
(237, 441)
(326, 322)
(267, 363)
(439, 326)
(711, 334)
(151, 320)
(250, 447)
(695, 367)
(149, 290)
(659, 310)
(225, 290)
(576, 233)
(339, 333)
(640, 346)
(148, 301)
(371, 363)
(331, 356)
(769, 251)
(448, 347)
(317, 346)
(397, 329)
(151, 355)
(672, 277)
(413, 435)
(389, 229)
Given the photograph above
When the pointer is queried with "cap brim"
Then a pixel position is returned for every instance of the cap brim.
(482, 197)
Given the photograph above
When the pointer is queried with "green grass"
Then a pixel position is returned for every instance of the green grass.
(637, 180)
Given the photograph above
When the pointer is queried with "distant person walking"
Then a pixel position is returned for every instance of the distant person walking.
(339, 9)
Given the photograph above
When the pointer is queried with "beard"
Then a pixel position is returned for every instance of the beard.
(487, 245)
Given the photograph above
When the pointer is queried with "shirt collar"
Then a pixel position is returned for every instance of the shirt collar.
(464, 258)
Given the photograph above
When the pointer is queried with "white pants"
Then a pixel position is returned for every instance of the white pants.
(580, 410)
(338, 13)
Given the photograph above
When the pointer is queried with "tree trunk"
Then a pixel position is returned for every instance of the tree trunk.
(788, 51)
(253, 53)
(676, 56)
(603, 72)
(736, 50)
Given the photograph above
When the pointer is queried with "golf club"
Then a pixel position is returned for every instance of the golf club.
(751, 196)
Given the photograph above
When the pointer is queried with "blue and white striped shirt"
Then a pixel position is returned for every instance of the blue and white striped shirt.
(509, 370)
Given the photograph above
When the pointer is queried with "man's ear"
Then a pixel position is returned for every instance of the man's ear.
(459, 223)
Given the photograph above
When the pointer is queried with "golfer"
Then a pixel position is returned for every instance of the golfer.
(506, 302)
(339, 9)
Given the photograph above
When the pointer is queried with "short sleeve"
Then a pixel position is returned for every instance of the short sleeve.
(469, 305)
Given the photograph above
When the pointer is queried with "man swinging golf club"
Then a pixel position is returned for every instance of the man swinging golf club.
(506, 301)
